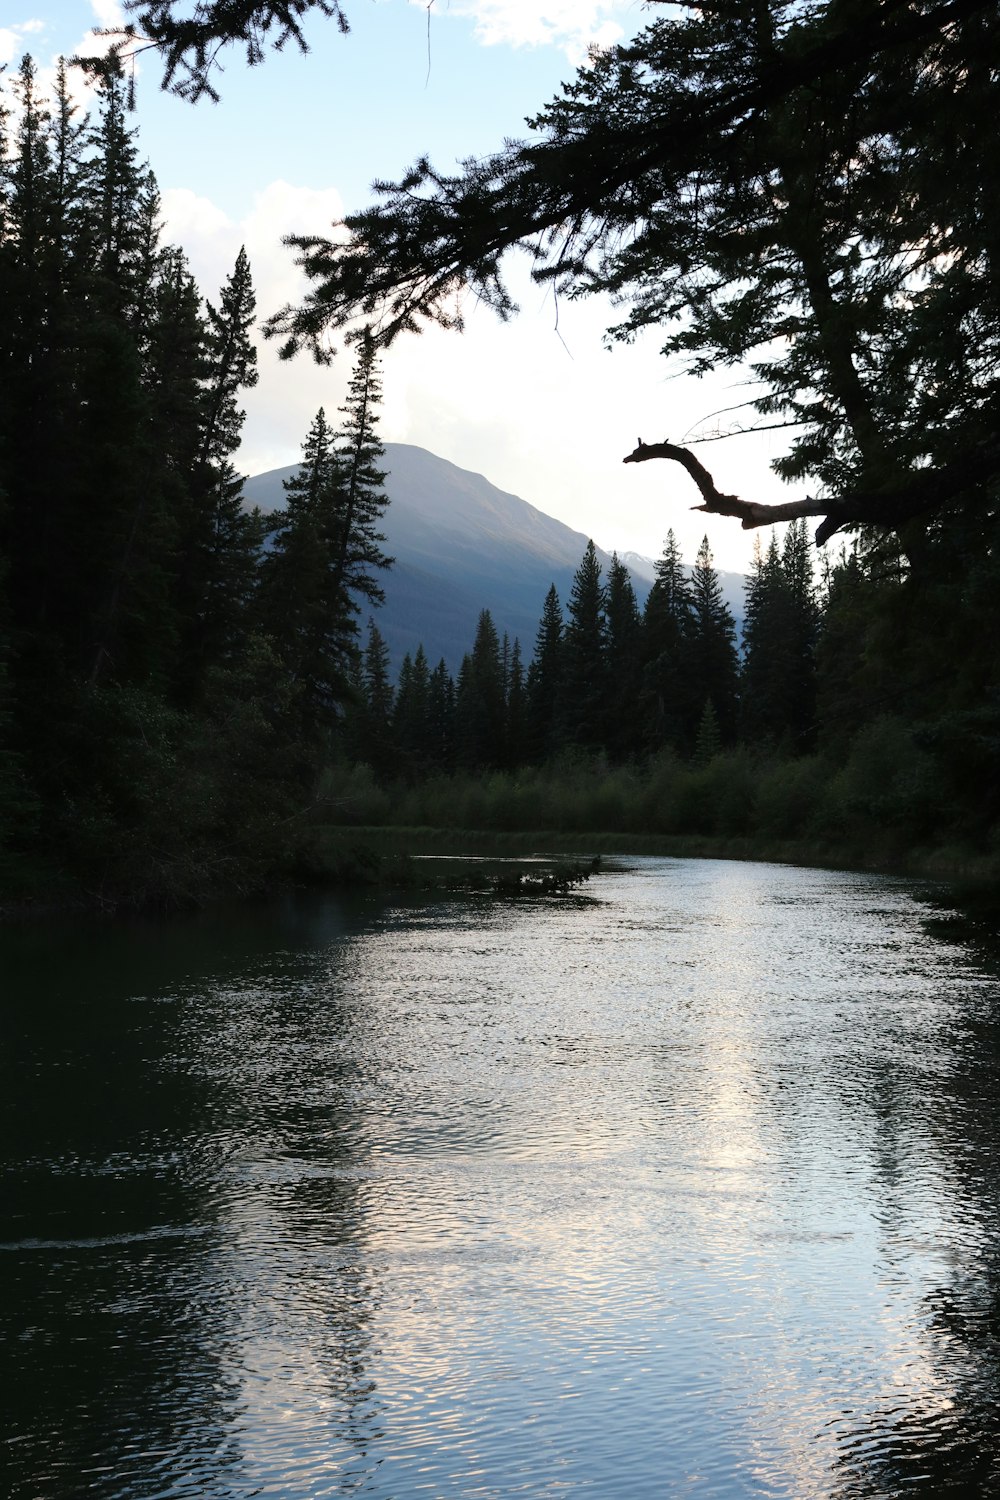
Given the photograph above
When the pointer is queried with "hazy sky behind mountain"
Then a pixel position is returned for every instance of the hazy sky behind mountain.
(537, 405)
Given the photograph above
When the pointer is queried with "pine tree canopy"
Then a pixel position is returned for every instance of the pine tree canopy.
(805, 188)
(190, 35)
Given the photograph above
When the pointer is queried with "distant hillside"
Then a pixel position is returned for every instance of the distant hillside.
(461, 546)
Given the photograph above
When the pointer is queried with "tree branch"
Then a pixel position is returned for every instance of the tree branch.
(924, 490)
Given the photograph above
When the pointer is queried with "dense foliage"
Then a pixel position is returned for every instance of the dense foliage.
(805, 188)
(827, 731)
(170, 676)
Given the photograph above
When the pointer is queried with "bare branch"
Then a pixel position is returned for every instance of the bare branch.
(921, 491)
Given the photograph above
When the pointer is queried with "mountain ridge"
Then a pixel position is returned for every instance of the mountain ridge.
(462, 545)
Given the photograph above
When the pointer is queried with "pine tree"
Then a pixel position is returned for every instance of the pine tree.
(441, 720)
(708, 740)
(117, 204)
(666, 691)
(219, 546)
(377, 684)
(803, 633)
(516, 730)
(779, 645)
(586, 681)
(710, 651)
(411, 714)
(624, 627)
(545, 684)
(480, 701)
(302, 606)
(361, 500)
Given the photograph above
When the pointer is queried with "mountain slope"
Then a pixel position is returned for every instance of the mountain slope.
(461, 545)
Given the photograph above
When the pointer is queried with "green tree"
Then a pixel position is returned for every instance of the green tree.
(779, 646)
(712, 664)
(480, 702)
(411, 713)
(545, 682)
(585, 662)
(361, 499)
(303, 609)
(764, 183)
(441, 719)
(624, 668)
(219, 546)
(516, 729)
(665, 695)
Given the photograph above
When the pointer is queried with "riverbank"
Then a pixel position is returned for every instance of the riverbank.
(522, 862)
(380, 853)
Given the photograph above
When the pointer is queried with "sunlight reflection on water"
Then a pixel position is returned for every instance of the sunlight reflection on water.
(688, 1190)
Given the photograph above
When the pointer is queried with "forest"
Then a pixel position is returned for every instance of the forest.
(188, 697)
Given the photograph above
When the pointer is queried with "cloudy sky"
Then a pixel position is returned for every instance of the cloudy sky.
(545, 412)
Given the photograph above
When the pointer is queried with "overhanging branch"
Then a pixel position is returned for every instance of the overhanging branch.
(922, 491)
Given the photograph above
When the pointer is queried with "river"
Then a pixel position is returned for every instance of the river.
(685, 1187)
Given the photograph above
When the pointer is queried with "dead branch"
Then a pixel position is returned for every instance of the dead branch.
(923, 491)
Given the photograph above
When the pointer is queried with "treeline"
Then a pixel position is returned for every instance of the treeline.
(605, 677)
(171, 669)
(858, 713)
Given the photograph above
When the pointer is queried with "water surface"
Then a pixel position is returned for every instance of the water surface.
(686, 1188)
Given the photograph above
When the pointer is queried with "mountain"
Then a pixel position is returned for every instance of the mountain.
(461, 546)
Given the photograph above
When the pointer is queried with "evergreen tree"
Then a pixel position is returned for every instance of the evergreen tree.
(860, 284)
(303, 608)
(712, 662)
(624, 668)
(545, 684)
(586, 682)
(779, 644)
(361, 497)
(666, 691)
(377, 685)
(325, 551)
(516, 730)
(220, 543)
(441, 719)
(411, 714)
(708, 740)
(116, 199)
(480, 702)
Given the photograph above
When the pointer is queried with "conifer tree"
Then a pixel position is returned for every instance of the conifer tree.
(586, 681)
(411, 713)
(480, 702)
(545, 683)
(116, 197)
(219, 546)
(666, 691)
(302, 607)
(779, 644)
(441, 719)
(710, 652)
(516, 731)
(361, 498)
(624, 668)
(375, 678)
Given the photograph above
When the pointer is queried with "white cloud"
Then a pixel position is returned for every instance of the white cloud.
(13, 39)
(571, 24)
(108, 13)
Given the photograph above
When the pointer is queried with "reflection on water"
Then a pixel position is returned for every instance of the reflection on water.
(688, 1191)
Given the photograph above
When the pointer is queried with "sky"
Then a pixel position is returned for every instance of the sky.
(538, 405)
